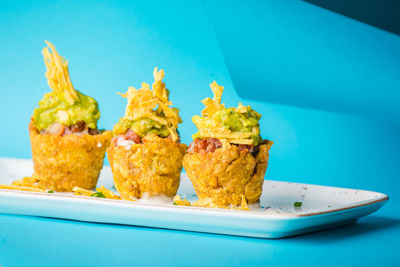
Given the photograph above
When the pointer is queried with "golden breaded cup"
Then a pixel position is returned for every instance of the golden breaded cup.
(227, 160)
(152, 167)
(146, 154)
(222, 177)
(67, 148)
(63, 162)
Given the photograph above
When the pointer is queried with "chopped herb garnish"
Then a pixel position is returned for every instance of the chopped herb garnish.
(50, 191)
(98, 194)
(297, 204)
(175, 203)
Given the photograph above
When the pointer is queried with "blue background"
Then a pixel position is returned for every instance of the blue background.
(326, 85)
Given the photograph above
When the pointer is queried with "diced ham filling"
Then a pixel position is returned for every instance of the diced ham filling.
(78, 129)
(208, 145)
(250, 148)
(130, 137)
(211, 144)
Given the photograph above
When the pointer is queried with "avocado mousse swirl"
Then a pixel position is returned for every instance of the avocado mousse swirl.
(149, 111)
(64, 105)
(233, 125)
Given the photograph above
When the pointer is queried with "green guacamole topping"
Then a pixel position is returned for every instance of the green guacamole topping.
(232, 120)
(141, 127)
(55, 108)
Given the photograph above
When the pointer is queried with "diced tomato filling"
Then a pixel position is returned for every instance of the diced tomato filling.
(78, 128)
(212, 144)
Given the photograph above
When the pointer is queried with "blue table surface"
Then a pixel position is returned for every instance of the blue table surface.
(319, 138)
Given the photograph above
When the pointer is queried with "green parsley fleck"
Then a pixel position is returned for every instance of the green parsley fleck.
(50, 191)
(297, 204)
(175, 203)
(98, 194)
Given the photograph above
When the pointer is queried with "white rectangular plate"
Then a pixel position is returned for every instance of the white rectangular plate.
(323, 207)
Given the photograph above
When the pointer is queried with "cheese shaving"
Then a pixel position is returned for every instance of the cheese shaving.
(241, 108)
(82, 191)
(107, 193)
(24, 184)
(181, 201)
(22, 188)
(213, 105)
(243, 204)
(57, 74)
(153, 104)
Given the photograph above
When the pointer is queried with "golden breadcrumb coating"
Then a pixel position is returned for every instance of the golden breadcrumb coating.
(63, 162)
(224, 176)
(153, 167)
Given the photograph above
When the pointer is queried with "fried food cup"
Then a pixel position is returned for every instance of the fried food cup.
(222, 177)
(150, 168)
(63, 162)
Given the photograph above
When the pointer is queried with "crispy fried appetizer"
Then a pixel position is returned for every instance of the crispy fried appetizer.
(67, 148)
(145, 153)
(227, 159)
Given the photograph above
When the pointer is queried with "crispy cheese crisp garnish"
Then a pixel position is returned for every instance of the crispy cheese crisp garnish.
(153, 104)
(25, 184)
(100, 192)
(241, 108)
(181, 202)
(21, 188)
(243, 205)
(216, 121)
(82, 191)
(213, 105)
(57, 74)
(107, 193)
